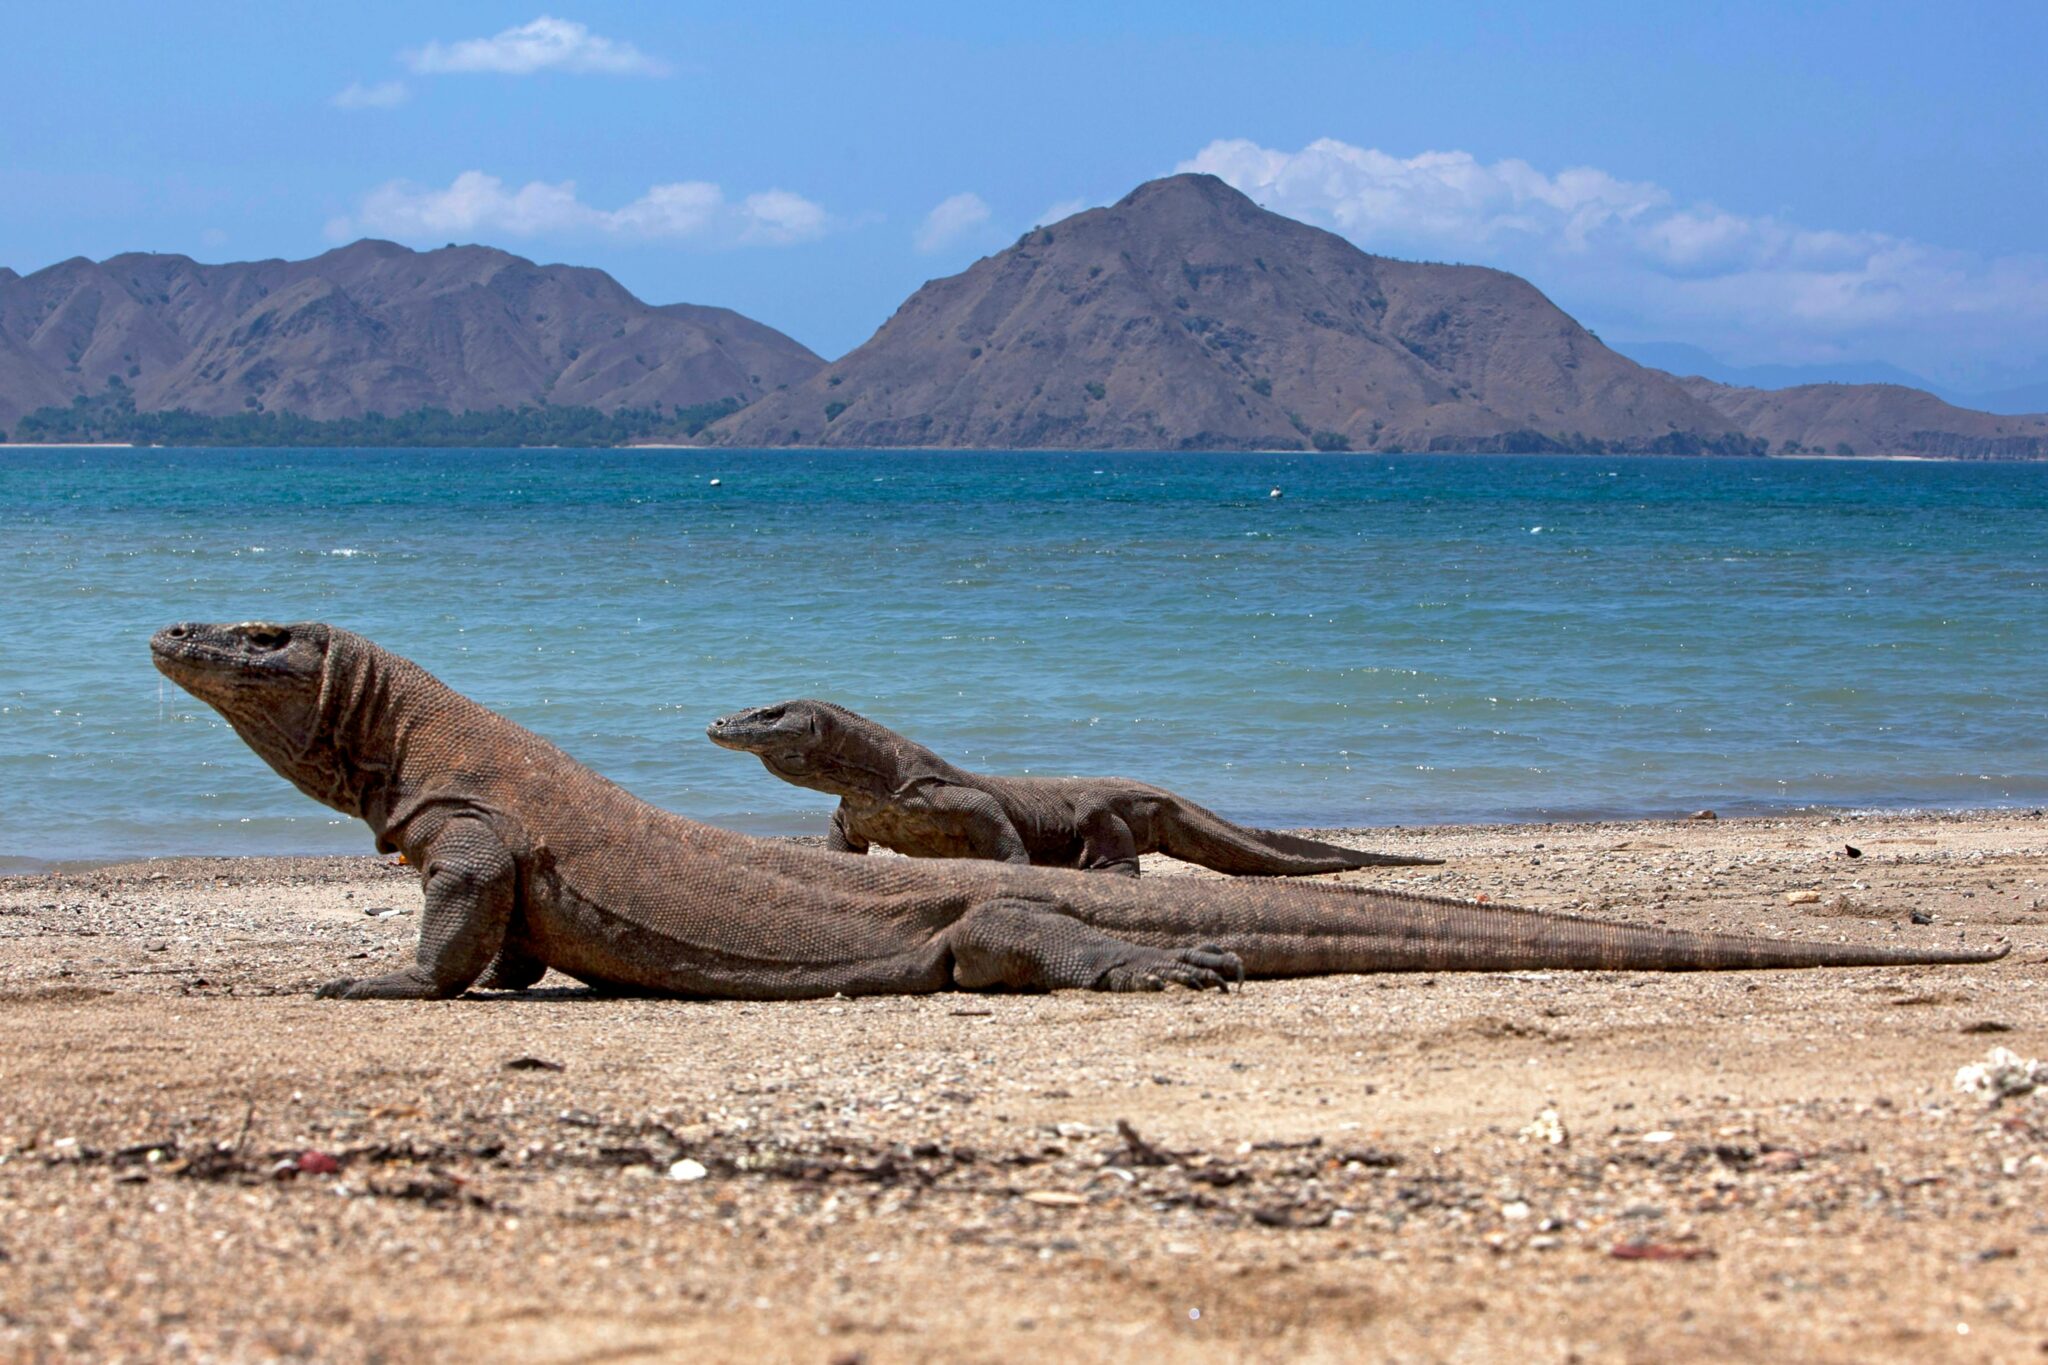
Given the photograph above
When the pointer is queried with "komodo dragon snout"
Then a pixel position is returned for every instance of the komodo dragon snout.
(785, 737)
(760, 728)
(222, 660)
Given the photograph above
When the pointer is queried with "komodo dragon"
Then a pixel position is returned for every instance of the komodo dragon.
(530, 860)
(901, 795)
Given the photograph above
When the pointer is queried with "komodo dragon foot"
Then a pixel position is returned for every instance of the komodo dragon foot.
(1202, 969)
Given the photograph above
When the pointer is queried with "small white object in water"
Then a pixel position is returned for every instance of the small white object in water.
(1275, 494)
(2001, 1075)
(716, 482)
(687, 1169)
(1535, 530)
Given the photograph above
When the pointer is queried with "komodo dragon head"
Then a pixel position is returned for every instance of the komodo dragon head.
(814, 744)
(296, 694)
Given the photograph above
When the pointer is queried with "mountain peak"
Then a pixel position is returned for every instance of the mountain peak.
(1186, 187)
(1187, 317)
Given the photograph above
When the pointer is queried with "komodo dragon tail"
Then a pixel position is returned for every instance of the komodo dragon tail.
(1279, 930)
(1188, 832)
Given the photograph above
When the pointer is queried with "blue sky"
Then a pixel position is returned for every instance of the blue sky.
(1774, 183)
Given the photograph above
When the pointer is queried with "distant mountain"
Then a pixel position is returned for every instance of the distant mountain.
(1187, 317)
(372, 327)
(2025, 399)
(1184, 317)
(1873, 419)
(1679, 358)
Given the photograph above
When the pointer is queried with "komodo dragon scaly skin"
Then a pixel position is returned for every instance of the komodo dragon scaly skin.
(901, 795)
(530, 860)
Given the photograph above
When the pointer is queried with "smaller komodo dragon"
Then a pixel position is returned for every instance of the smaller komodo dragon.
(529, 860)
(899, 794)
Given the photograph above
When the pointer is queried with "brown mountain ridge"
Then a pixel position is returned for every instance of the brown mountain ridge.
(1183, 317)
(1872, 419)
(1187, 317)
(370, 327)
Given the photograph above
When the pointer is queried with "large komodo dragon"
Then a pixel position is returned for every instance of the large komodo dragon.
(530, 860)
(901, 795)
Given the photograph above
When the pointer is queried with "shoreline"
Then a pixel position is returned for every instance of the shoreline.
(716, 448)
(23, 865)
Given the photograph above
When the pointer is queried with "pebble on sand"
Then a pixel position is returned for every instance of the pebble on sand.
(1547, 1127)
(2002, 1075)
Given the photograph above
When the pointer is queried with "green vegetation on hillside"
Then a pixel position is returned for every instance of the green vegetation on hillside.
(111, 416)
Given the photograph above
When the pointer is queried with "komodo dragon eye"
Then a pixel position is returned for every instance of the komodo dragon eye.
(268, 637)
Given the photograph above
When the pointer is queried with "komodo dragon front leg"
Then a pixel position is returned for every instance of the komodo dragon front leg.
(982, 818)
(949, 815)
(1026, 945)
(841, 838)
(1107, 844)
(471, 882)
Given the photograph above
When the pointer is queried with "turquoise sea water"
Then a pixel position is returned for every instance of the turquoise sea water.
(1393, 640)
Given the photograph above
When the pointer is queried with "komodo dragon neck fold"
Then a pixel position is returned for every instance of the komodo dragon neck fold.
(530, 860)
(899, 794)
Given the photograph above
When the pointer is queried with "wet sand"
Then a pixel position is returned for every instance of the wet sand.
(1753, 1165)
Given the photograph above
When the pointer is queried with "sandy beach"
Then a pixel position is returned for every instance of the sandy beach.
(200, 1161)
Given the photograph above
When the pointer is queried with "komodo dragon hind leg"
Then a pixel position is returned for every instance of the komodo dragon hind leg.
(1023, 945)
(512, 970)
(470, 884)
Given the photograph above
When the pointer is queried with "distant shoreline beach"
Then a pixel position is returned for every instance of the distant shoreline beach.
(742, 451)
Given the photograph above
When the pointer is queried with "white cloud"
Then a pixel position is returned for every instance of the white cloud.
(383, 95)
(779, 217)
(1065, 208)
(545, 44)
(475, 203)
(953, 219)
(1630, 255)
